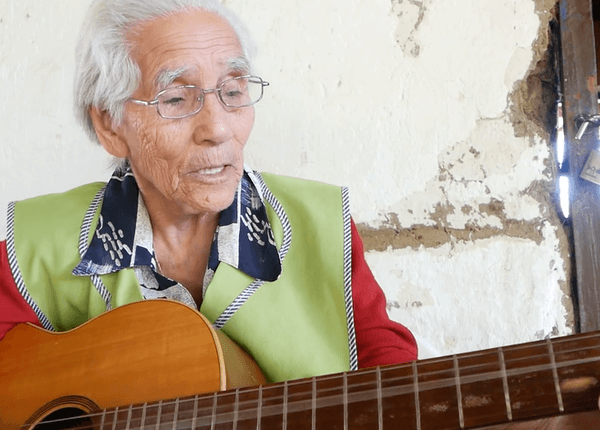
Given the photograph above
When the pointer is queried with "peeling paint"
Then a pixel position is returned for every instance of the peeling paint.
(542, 335)
(410, 14)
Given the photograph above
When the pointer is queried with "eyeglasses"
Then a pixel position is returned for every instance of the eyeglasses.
(187, 100)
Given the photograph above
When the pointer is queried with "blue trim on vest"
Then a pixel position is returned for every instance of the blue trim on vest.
(16, 271)
(285, 246)
(348, 279)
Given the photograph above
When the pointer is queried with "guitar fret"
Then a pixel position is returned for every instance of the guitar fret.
(214, 412)
(345, 399)
(505, 384)
(102, 419)
(259, 410)
(461, 413)
(561, 406)
(175, 414)
(236, 408)
(285, 405)
(143, 419)
(128, 425)
(114, 424)
(314, 404)
(158, 414)
(195, 412)
(416, 390)
(379, 401)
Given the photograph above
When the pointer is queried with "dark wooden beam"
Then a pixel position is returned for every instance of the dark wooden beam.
(579, 88)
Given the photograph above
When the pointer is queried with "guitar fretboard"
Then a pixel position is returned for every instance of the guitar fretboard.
(470, 390)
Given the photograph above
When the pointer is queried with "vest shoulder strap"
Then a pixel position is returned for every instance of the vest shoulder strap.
(43, 235)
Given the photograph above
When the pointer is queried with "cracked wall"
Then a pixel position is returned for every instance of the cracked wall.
(448, 159)
(431, 112)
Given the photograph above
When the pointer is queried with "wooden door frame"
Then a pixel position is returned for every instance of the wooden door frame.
(580, 96)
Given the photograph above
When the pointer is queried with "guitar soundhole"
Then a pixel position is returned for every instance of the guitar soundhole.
(66, 418)
(70, 412)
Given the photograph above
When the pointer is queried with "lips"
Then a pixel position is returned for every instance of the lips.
(213, 174)
(211, 170)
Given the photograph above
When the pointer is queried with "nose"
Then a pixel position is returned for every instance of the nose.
(213, 122)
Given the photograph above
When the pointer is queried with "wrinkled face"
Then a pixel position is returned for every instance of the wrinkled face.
(192, 165)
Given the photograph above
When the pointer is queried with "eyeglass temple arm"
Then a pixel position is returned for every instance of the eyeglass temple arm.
(145, 103)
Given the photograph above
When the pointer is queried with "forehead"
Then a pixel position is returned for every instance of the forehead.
(191, 40)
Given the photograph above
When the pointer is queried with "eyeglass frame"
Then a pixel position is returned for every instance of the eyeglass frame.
(216, 90)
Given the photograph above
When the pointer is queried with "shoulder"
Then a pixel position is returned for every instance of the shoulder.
(14, 309)
(300, 191)
(289, 182)
(54, 218)
(53, 207)
(65, 201)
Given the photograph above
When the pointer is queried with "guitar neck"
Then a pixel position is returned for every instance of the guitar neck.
(494, 386)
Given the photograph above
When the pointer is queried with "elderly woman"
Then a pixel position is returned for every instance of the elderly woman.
(276, 263)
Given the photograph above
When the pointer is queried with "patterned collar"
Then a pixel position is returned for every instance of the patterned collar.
(123, 239)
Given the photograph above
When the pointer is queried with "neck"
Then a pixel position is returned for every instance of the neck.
(182, 244)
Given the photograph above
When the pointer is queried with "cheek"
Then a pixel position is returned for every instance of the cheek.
(158, 155)
(244, 126)
(159, 142)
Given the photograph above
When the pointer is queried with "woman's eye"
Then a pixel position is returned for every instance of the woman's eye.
(174, 100)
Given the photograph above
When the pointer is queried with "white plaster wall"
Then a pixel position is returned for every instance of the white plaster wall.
(378, 95)
(42, 149)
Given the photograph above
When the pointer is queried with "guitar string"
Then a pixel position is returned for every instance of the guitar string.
(391, 391)
(424, 386)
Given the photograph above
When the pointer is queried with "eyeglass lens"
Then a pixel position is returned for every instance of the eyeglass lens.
(182, 101)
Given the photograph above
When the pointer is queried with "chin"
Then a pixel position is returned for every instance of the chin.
(215, 204)
(208, 198)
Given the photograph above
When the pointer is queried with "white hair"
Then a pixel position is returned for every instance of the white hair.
(105, 74)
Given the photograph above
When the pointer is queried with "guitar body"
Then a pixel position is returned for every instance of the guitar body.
(142, 352)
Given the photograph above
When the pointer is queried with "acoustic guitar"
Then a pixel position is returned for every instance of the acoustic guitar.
(159, 365)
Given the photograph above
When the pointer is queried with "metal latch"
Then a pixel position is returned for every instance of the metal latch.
(583, 122)
(591, 169)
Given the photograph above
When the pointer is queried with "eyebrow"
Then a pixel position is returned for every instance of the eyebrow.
(167, 76)
(238, 64)
(234, 64)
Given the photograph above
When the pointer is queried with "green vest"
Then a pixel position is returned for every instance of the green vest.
(297, 326)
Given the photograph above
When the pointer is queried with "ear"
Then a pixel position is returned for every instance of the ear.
(108, 134)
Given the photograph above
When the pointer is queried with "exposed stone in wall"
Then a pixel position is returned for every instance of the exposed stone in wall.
(532, 101)
(419, 235)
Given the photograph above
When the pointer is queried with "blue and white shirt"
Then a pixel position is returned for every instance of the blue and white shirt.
(123, 239)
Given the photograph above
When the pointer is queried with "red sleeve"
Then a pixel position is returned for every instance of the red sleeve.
(13, 308)
(379, 340)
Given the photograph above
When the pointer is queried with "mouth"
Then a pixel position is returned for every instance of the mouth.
(211, 170)
(213, 174)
